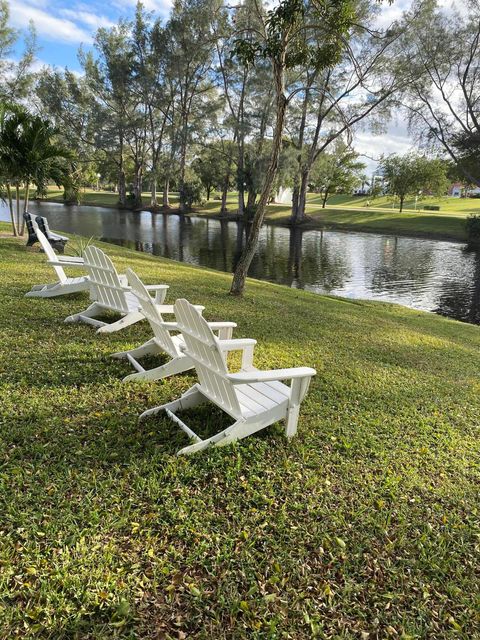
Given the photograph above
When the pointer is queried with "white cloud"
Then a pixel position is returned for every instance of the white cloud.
(161, 7)
(47, 25)
(395, 140)
(91, 20)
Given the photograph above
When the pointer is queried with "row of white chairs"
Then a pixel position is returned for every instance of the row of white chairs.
(254, 399)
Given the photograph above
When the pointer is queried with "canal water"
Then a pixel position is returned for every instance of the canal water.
(431, 275)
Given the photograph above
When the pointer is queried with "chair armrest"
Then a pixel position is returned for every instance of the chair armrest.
(64, 263)
(165, 308)
(75, 259)
(236, 344)
(156, 287)
(247, 377)
(222, 325)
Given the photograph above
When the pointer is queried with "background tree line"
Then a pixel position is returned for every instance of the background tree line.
(248, 99)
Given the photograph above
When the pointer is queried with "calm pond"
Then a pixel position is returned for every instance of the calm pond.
(423, 274)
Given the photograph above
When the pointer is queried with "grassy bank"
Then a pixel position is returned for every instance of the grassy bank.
(342, 212)
(366, 525)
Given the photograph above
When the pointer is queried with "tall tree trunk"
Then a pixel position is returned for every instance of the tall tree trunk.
(122, 187)
(241, 270)
(153, 192)
(402, 198)
(10, 206)
(240, 180)
(165, 198)
(295, 198)
(137, 186)
(26, 198)
(223, 206)
(302, 196)
(301, 137)
(25, 206)
(19, 222)
(250, 210)
(241, 154)
(183, 162)
(325, 197)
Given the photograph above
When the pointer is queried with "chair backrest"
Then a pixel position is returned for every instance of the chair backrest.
(51, 255)
(152, 314)
(42, 224)
(202, 346)
(105, 286)
(31, 228)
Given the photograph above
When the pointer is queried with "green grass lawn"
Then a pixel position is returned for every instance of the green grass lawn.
(366, 525)
(446, 204)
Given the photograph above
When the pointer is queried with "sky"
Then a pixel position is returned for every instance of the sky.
(63, 26)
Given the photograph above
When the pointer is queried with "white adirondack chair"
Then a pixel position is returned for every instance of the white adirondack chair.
(254, 399)
(110, 292)
(163, 340)
(64, 285)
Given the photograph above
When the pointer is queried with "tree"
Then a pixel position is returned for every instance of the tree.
(329, 103)
(467, 146)
(338, 171)
(406, 175)
(191, 42)
(16, 78)
(443, 96)
(209, 166)
(28, 155)
(286, 41)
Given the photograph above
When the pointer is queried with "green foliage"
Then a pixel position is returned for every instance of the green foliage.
(337, 171)
(192, 192)
(365, 523)
(467, 146)
(78, 244)
(29, 155)
(16, 78)
(212, 165)
(409, 174)
(472, 225)
(290, 28)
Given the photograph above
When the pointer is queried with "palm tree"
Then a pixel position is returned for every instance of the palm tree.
(28, 155)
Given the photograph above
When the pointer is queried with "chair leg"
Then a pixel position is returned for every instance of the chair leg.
(150, 348)
(90, 312)
(297, 393)
(191, 398)
(126, 321)
(177, 365)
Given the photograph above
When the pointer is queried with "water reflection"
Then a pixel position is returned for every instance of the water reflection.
(422, 274)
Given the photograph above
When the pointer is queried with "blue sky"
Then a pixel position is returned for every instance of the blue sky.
(62, 26)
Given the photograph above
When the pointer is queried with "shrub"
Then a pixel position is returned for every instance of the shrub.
(431, 207)
(192, 193)
(473, 229)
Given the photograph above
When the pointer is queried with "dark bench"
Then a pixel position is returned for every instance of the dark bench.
(57, 241)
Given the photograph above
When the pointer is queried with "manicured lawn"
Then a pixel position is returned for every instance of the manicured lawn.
(431, 225)
(455, 205)
(366, 525)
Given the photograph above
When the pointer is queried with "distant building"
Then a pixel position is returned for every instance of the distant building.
(456, 190)
(460, 190)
